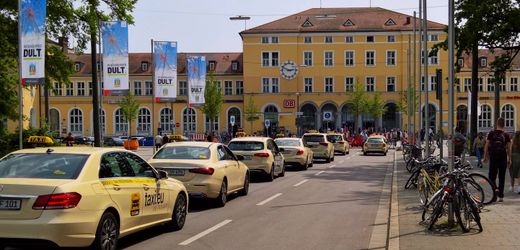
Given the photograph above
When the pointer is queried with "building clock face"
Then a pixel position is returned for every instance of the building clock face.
(289, 70)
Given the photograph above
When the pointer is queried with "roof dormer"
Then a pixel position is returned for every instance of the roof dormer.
(307, 23)
(348, 23)
(390, 22)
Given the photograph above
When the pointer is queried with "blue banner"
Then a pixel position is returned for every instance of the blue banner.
(165, 70)
(32, 38)
(196, 80)
(115, 57)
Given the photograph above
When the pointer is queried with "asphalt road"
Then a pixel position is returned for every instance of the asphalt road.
(329, 206)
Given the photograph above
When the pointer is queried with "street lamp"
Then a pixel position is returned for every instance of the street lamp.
(239, 18)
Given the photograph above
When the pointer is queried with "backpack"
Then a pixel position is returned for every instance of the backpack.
(497, 145)
(458, 146)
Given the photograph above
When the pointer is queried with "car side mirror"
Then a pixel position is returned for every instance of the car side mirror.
(240, 157)
(163, 175)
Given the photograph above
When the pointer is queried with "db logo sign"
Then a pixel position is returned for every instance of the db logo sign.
(289, 103)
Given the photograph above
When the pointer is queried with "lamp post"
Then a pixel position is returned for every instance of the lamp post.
(240, 18)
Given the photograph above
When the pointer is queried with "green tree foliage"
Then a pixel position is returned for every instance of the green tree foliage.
(130, 109)
(251, 112)
(375, 106)
(402, 104)
(213, 100)
(358, 100)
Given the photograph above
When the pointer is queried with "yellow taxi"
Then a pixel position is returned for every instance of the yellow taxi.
(261, 155)
(320, 146)
(207, 169)
(295, 153)
(375, 144)
(178, 137)
(341, 145)
(80, 196)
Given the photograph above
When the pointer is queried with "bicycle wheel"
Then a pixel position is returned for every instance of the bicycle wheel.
(487, 186)
(428, 207)
(474, 211)
(436, 212)
(462, 211)
(423, 189)
(412, 180)
(474, 190)
(410, 164)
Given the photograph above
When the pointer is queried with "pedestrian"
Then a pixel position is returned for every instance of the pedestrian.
(459, 142)
(69, 140)
(514, 168)
(498, 152)
(478, 147)
(158, 141)
(165, 139)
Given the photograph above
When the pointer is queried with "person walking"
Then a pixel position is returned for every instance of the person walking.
(459, 142)
(69, 140)
(158, 141)
(478, 147)
(498, 152)
(514, 168)
(165, 139)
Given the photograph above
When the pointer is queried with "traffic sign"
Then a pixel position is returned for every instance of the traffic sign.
(327, 116)
(232, 120)
(267, 123)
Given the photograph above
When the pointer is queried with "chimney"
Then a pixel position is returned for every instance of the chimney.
(64, 43)
(408, 18)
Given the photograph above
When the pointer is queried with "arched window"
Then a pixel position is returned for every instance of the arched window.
(144, 121)
(165, 120)
(238, 119)
(508, 112)
(76, 121)
(462, 117)
(215, 123)
(271, 109)
(485, 119)
(54, 120)
(120, 122)
(189, 120)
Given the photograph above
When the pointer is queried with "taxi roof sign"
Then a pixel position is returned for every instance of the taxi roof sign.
(178, 137)
(40, 140)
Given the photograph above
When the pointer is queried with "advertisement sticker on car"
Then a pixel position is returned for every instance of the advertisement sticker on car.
(135, 204)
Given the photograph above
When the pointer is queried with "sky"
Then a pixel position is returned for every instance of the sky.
(204, 25)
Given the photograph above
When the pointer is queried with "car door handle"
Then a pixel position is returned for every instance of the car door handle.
(146, 187)
(116, 187)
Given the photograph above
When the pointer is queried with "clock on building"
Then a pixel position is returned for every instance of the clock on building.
(289, 70)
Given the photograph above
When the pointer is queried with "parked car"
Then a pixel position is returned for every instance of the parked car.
(320, 145)
(113, 141)
(146, 141)
(295, 153)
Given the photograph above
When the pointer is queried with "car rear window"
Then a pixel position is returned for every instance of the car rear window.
(42, 166)
(313, 138)
(294, 143)
(183, 152)
(246, 145)
(375, 140)
(334, 137)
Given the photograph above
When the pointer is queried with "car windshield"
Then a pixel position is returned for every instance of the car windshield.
(42, 166)
(294, 143)
(313, 138)
(334, 138)
(246, 145)
(183, 152)
(375, 140)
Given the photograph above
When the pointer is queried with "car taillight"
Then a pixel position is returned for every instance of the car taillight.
(208, 171)
(324, 143)
(262, 154)
(300, 152)
(57, 201)
(447, 189)
(341, 142)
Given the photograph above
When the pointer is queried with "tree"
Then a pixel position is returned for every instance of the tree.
(402, 104)
(130, 109)
(213, 101)
(357, 98)
(375, 106)
(251, 112)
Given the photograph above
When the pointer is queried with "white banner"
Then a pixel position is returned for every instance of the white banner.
(115, 57)
(165, 70)
(196, 80)
(32, 39)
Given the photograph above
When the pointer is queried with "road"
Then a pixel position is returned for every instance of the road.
(330, 206)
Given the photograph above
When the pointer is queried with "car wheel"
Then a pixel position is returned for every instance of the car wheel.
(364, 153)
(221, 200)
(245, 189)
(305, 166)
(270, 176)
(282, 174)
(180, 211)
(107, 232)
(332, 157)
(327, 160)
(385, 154)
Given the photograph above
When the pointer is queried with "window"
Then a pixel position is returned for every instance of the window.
(422, 57)
(69, 89)
(481, 84)
(99, 66)
(508, 112)
(484, 120)
(166, 120)
(434, 59)
(349, 39)
(76, 121)
(54, 120)
(148, 88)
(390, 22)
(390, 58)
(370, 84)
(238, 119)
(370, 58)
(329, 84)
(457, 85)
(138, 88)
(121, 124)
(307, 84)
(349, 58)
(239, 87)
(183, 88)
(103, 120)
(329, 59)
(234, 65)
(434, 38)
(328, 39)
(483, 62)
(423, 87)
(307, 58)
(433, 83)
(503, 86)
(390, 38)
(212, 65)
(307, 39)
(189, 120)
(467, 84)
(390, 84)
(139, 166)
(90, 89)
(370, 39)
(265, 39)
(460, 62)
(80, 89)
(513, 84)
(490, 85)
(77, 67)
(228, 87)
(270, 85)
(348, 23)
(144, 121)
(144, 66)
(269, 59)
(349, 84)
(215, 124)
(274, 39)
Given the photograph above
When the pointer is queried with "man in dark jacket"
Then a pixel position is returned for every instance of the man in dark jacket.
(498, 152)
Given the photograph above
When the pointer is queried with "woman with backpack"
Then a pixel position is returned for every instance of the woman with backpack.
(514, 168)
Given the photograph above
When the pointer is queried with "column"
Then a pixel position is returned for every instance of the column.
(338, 119)
(318, 120)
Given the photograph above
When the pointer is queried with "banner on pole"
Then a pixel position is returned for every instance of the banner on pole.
(196, 80)
(32, 38)
(115, 57)
(165, 70)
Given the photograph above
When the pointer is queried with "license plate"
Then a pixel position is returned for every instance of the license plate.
(286, 152)
(247, 157)
(176, 172)
(10, 204)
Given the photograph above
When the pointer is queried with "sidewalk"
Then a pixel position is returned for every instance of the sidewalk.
(500, 221)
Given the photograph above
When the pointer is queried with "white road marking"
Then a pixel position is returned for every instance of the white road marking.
(301, 182)
(268, 199)
(204, 233)
(321, 172)
(331, 166)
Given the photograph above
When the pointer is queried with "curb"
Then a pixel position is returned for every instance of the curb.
(393, 229)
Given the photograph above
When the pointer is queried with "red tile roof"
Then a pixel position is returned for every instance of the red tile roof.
(332, 20)
(490, 58)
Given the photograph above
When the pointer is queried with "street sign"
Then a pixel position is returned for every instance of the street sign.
(327, 116)
(445, 124)
(299, 113)
(289, 103)
(267, 123)
(232, 120)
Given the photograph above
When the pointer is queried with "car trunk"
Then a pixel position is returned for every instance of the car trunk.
(180, 169)
(24, 192)
(289, 150)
